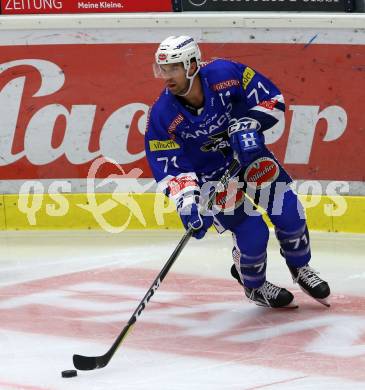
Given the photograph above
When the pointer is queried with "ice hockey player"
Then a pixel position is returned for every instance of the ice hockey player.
(207, 115)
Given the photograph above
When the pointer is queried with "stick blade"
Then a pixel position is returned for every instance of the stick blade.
(86, 363)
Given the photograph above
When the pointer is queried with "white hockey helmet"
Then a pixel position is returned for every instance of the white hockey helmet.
(173, 50)
(176, 49)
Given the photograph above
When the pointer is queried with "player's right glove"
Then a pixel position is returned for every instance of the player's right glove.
(190, 216)
(245, 140)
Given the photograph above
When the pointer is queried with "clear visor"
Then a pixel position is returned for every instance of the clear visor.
(165, 71)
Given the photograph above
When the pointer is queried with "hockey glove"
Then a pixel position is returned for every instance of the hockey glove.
(245, 140)
(190, 216)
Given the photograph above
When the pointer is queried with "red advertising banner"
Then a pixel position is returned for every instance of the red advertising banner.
(13, 7)
(62, 106)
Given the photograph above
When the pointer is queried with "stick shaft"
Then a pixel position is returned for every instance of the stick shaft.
(151, 291)
(92, 362)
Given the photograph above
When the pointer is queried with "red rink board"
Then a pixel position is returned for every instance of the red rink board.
(18, 7)
(107, 80)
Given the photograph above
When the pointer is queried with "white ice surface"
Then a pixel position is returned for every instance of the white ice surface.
(32, 359)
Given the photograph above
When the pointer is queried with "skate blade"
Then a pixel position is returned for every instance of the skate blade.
(323, 301)
(291, 305)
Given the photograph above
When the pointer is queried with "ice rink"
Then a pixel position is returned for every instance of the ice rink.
(73, 292)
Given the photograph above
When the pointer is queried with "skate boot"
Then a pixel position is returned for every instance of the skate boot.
(311, 284)
(268, 295)
(235, 274)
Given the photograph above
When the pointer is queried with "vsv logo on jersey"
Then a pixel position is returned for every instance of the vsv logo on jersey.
(218, 143)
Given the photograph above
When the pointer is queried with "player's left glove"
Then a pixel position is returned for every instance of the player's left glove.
(190, 216)
(185, 191)
(245, 140)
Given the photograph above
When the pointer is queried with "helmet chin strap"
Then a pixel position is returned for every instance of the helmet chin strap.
(191, 79)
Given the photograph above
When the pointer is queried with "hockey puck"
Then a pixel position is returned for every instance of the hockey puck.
(69, 373)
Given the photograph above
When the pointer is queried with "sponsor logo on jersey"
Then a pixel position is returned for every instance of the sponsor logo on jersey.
(269, 104)
(174, 124)
(208, 120)
(178, 184)
(262, 172)
(247, 77)
(221, 123)
(229, 201)
(244, 124)
(157, 145)
(225, 84)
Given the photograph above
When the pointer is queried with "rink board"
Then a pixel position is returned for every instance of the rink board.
(58, 114)
(78, 88)
(119, 212)
(2, 213)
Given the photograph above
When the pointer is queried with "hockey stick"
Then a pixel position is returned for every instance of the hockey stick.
(92, 362)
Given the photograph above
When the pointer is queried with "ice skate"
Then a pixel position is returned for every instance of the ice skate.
(311, 284)
(268, 295)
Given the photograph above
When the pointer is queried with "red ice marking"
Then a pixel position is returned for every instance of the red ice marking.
(276, 383)
(22, 386)
(198, 316)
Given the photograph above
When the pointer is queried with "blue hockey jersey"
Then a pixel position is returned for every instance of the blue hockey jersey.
(179, 143)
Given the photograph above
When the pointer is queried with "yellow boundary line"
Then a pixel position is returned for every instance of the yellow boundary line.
(137, 211)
